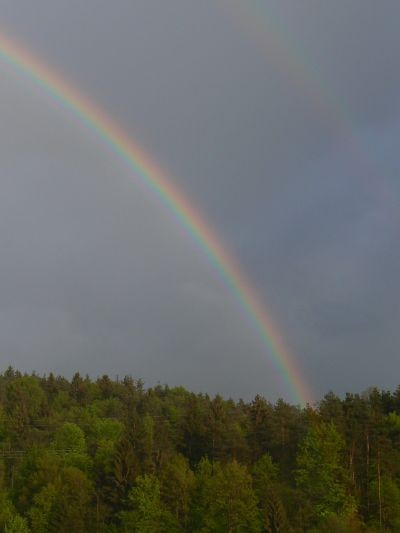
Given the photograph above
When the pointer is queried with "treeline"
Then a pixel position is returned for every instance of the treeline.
(110, 455)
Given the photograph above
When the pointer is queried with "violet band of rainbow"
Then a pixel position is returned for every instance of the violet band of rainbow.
(155, 180)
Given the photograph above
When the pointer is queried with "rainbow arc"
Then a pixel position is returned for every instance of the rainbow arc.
(154, 179)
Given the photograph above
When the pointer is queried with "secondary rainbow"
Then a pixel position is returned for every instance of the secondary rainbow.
(168, 194)
(288, 56)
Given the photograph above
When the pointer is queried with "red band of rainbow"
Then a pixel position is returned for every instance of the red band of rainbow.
(177, 203)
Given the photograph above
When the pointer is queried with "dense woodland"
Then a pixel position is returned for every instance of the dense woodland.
(111, 455)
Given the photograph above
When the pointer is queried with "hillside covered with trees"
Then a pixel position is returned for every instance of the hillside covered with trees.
(111, 455)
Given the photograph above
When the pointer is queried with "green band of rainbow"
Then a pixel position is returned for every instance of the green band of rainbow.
(287, 54)
(156, 181)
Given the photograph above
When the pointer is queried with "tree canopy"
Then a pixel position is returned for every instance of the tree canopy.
(110, 455)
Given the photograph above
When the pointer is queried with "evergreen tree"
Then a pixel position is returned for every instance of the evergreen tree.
(145, 512)
(321, 475)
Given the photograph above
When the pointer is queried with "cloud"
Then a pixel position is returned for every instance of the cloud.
(299, 180)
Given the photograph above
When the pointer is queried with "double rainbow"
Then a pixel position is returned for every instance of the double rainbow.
(170, 196)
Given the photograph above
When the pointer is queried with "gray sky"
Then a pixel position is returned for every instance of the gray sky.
(282, 124)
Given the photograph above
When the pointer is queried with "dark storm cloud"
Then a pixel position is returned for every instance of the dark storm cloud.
(96, 277)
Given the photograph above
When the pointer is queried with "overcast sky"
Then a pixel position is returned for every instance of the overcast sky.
(282, 124)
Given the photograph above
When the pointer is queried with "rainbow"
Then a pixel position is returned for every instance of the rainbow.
(173, 199)
(274, 40)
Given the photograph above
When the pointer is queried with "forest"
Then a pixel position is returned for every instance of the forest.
(111, 455)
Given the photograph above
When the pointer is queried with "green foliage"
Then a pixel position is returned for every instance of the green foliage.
(321, 474)
(265, 473)
(6, 509)
(24, 403)
(69, 437)
(146, 513)
(177, 482)
(71, 508)
(42, 513)
(69, 440)
(269, 494)
(235, 503)
(16, 524)
(108, 456)
(390, 502)
(225, 500)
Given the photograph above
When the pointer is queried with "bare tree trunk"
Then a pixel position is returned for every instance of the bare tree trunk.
(379, 490)
(367, 468)
(351, 463)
